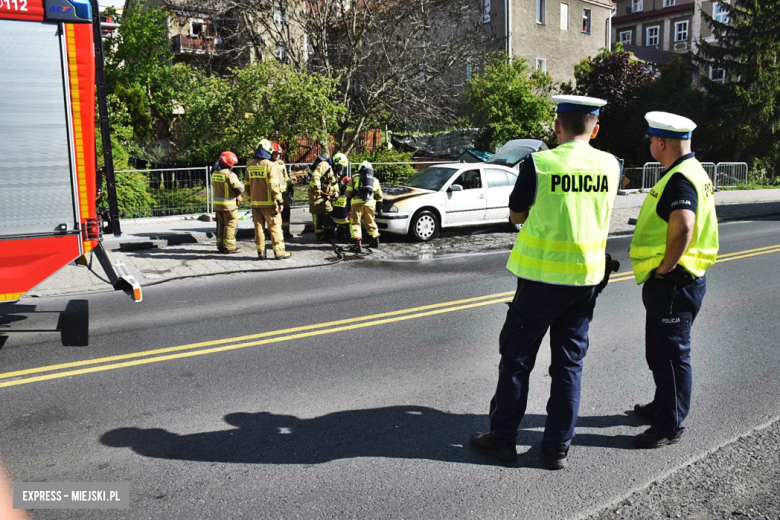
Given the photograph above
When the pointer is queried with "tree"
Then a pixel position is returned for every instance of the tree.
(138, 67)
(510, 102)
(266, 99)
(617, 77)
(747, 47)
(393, 60)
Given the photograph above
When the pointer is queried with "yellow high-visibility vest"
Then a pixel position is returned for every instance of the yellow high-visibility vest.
(649, 243)
(564, 239)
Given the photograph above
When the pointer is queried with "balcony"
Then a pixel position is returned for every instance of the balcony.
(184, 44)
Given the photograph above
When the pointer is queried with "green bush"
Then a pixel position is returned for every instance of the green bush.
(132, 195)
(387, 174)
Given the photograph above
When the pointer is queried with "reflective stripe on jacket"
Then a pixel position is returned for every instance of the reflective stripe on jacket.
(564, 239)
(648, 246)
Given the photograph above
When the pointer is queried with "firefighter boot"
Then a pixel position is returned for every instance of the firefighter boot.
(374, 242)
(357, 246)
(283, 255)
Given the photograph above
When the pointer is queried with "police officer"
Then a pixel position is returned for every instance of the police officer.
(286, 187)
(675, 241)
(228, 195)
(265, 197)
(564, 197)
(365, 191)
(322, 188)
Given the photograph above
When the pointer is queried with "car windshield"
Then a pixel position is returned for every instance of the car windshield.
(431, 178)
(511, 156)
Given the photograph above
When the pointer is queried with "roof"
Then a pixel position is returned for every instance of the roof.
(657, 56)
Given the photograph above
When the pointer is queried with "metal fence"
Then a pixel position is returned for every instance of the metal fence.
(723, 175)
(164, 192)
(730, 174)
(186, 191)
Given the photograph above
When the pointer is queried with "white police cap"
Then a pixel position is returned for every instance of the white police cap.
(670, 126)
(581, 104)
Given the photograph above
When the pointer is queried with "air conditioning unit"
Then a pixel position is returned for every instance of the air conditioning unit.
(681, 46)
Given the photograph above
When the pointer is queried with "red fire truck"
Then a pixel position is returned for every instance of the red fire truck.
(51, 73)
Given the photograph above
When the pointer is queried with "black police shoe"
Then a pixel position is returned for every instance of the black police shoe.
(489, 445)
(645, 411)
(651, 439)
(555, 458)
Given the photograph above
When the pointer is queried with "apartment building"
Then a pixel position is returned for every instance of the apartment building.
(652, 28)
(552, 35)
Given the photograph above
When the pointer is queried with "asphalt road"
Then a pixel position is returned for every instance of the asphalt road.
(366, 411)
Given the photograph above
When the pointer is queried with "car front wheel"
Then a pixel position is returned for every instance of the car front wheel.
(425, 226)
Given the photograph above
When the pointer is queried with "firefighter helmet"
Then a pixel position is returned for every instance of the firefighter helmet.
(229, 159)
(340, 159)
(277, 148)
(266, 145)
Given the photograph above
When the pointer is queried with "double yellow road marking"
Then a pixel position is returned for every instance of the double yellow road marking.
(87, 366)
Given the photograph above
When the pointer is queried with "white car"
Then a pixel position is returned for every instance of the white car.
(454, 195)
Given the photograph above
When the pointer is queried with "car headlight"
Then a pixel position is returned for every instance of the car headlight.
(393, 209)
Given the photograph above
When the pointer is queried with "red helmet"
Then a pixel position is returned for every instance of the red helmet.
(229, 159)
(277, 148)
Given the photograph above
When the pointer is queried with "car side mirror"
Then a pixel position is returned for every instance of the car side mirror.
(455, 187)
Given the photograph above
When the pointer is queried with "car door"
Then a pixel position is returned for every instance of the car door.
(500, 184)
(469, 205)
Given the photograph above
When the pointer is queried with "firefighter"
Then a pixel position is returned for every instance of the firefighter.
(228, 196)
(364, 191)
(675, 242)
(322, 188)
(265, 197)
(564, 198)
(286, 186)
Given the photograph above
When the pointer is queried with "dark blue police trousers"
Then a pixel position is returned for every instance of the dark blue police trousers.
(671, 309)
(566, 311)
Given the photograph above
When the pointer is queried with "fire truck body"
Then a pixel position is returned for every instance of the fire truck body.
(48, 177)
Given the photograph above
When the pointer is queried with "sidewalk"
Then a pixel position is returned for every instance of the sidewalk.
(162, 249)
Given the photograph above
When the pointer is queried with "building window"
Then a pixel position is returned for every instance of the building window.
(586, 21)
(279, 52)
(668, 3)
(717, 74)
(541, 65)
(197, 27)
(625, 37)
(540, 11)
(636, 6)
(652, 36)
(720, 13)
(485, 11)
(564, 17)
(681, 31)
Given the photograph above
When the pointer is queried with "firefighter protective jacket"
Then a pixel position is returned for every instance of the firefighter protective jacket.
(226, 187)
(262, 186)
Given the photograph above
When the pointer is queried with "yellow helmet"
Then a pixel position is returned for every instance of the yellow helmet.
(266, 145)
(366, 165)
(340, 159)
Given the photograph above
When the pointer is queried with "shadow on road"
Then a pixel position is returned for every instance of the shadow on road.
(404, 432)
